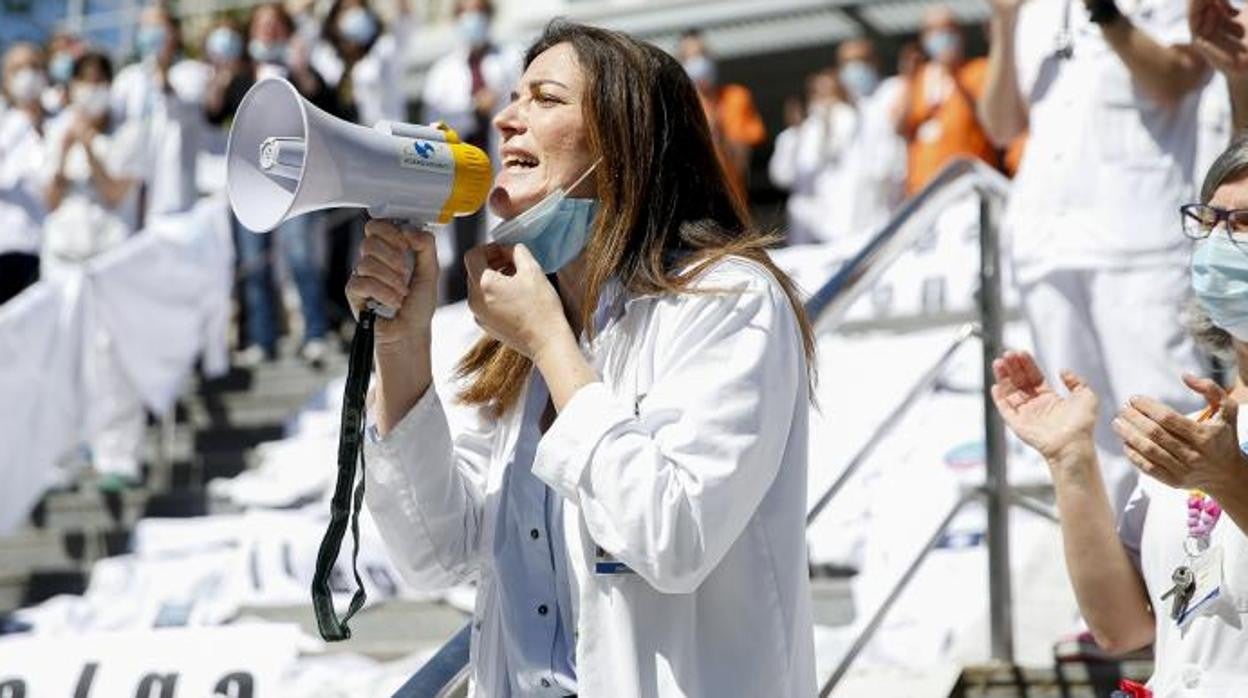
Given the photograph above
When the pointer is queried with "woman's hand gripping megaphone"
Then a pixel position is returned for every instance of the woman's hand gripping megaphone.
(381, 274)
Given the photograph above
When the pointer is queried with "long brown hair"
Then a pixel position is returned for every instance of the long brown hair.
(666, 210)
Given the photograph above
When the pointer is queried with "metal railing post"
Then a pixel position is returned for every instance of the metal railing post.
(997, 486)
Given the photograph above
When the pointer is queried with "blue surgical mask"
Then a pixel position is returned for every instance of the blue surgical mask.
(150, 39)
(554, 229)
(265, 52)
(859, 78)
(940, 42)
(358, 26)
(61, 67)
(1220, 280)
(701, 70)
(224, 44)
(474, 28)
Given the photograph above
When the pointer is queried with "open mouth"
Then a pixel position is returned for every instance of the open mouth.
(519, 162)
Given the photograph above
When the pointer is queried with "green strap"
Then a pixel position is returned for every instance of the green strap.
(346, 505)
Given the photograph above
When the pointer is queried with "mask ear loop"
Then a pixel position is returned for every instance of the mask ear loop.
(580, 179)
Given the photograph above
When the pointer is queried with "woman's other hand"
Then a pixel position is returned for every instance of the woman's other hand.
(512, 300)
(1051, 423)
(1183, 452)
(1220, 34)
(381, 274)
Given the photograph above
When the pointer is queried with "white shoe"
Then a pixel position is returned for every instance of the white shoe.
(251, 357)
(314, 352)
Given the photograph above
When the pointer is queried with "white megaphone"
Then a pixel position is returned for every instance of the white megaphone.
(286, 157)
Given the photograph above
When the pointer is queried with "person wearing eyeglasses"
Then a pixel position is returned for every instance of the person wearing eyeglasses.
(1173, 571)
(1109, 92)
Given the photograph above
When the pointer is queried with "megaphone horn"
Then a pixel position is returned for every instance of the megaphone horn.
(286, 157)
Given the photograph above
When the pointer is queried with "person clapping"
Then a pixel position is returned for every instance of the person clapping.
(1173, 570)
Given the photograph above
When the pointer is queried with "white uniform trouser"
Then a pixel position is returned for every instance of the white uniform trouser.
(119, 421)
(1119, 330)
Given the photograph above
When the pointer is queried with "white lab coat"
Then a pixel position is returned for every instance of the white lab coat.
(686, 462)
(1207, 659)
(81, 349)
(810, 160)
(41, 338)
(21, 196)
(447, 94)
(174, 123)
(377, 78)
(84, 224)
(1092, 220)
(875, 165)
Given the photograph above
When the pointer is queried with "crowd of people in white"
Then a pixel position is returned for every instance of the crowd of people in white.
(1106, 118)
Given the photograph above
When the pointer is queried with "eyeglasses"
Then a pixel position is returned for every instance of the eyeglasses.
(1199, 220)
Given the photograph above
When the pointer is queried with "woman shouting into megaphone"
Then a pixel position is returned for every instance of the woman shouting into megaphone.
(630, 498)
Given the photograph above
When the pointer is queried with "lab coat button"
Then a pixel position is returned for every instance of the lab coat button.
(542, 610)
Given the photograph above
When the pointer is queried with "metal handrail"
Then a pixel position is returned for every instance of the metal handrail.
(447, 672)
(886, 427)
(878, 617)
(828, 305)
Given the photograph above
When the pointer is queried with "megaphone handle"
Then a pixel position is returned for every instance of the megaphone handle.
(409, 258)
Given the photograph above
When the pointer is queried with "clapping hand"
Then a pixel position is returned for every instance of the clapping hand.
(1179, 451)
(1049, 422)
(1220, 34)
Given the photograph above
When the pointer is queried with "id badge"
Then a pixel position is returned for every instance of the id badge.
(1207, 568)
(605, 563)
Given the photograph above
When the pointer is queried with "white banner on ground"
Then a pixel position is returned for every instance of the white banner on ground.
(240, 661)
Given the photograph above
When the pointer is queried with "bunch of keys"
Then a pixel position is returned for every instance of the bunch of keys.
(1184, 585)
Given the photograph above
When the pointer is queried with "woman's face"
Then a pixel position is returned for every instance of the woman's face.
(1231, 195)
(543, 135)
(267, 26)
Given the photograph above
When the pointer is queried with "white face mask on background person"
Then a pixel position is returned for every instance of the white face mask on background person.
(61, 67)
(266, 52)
(151, 40)
(224, 44)
(358, 26)
(474, 28)
(937, 43)
(859, 78)
(701, 70)
(90, 99)
(26, 86)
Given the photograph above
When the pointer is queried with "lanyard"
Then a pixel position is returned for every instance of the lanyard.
(1202, 511)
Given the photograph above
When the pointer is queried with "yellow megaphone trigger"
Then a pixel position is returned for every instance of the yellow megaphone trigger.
(472, 180)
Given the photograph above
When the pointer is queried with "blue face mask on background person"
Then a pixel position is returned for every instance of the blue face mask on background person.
(1220, 280)
(860, 79)
(224, 44)
(939, 42)
(150, 40)
(265, 52)
(554, 229)
(701, 70)
(474, 28)
(61, 67)
(358, 26)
